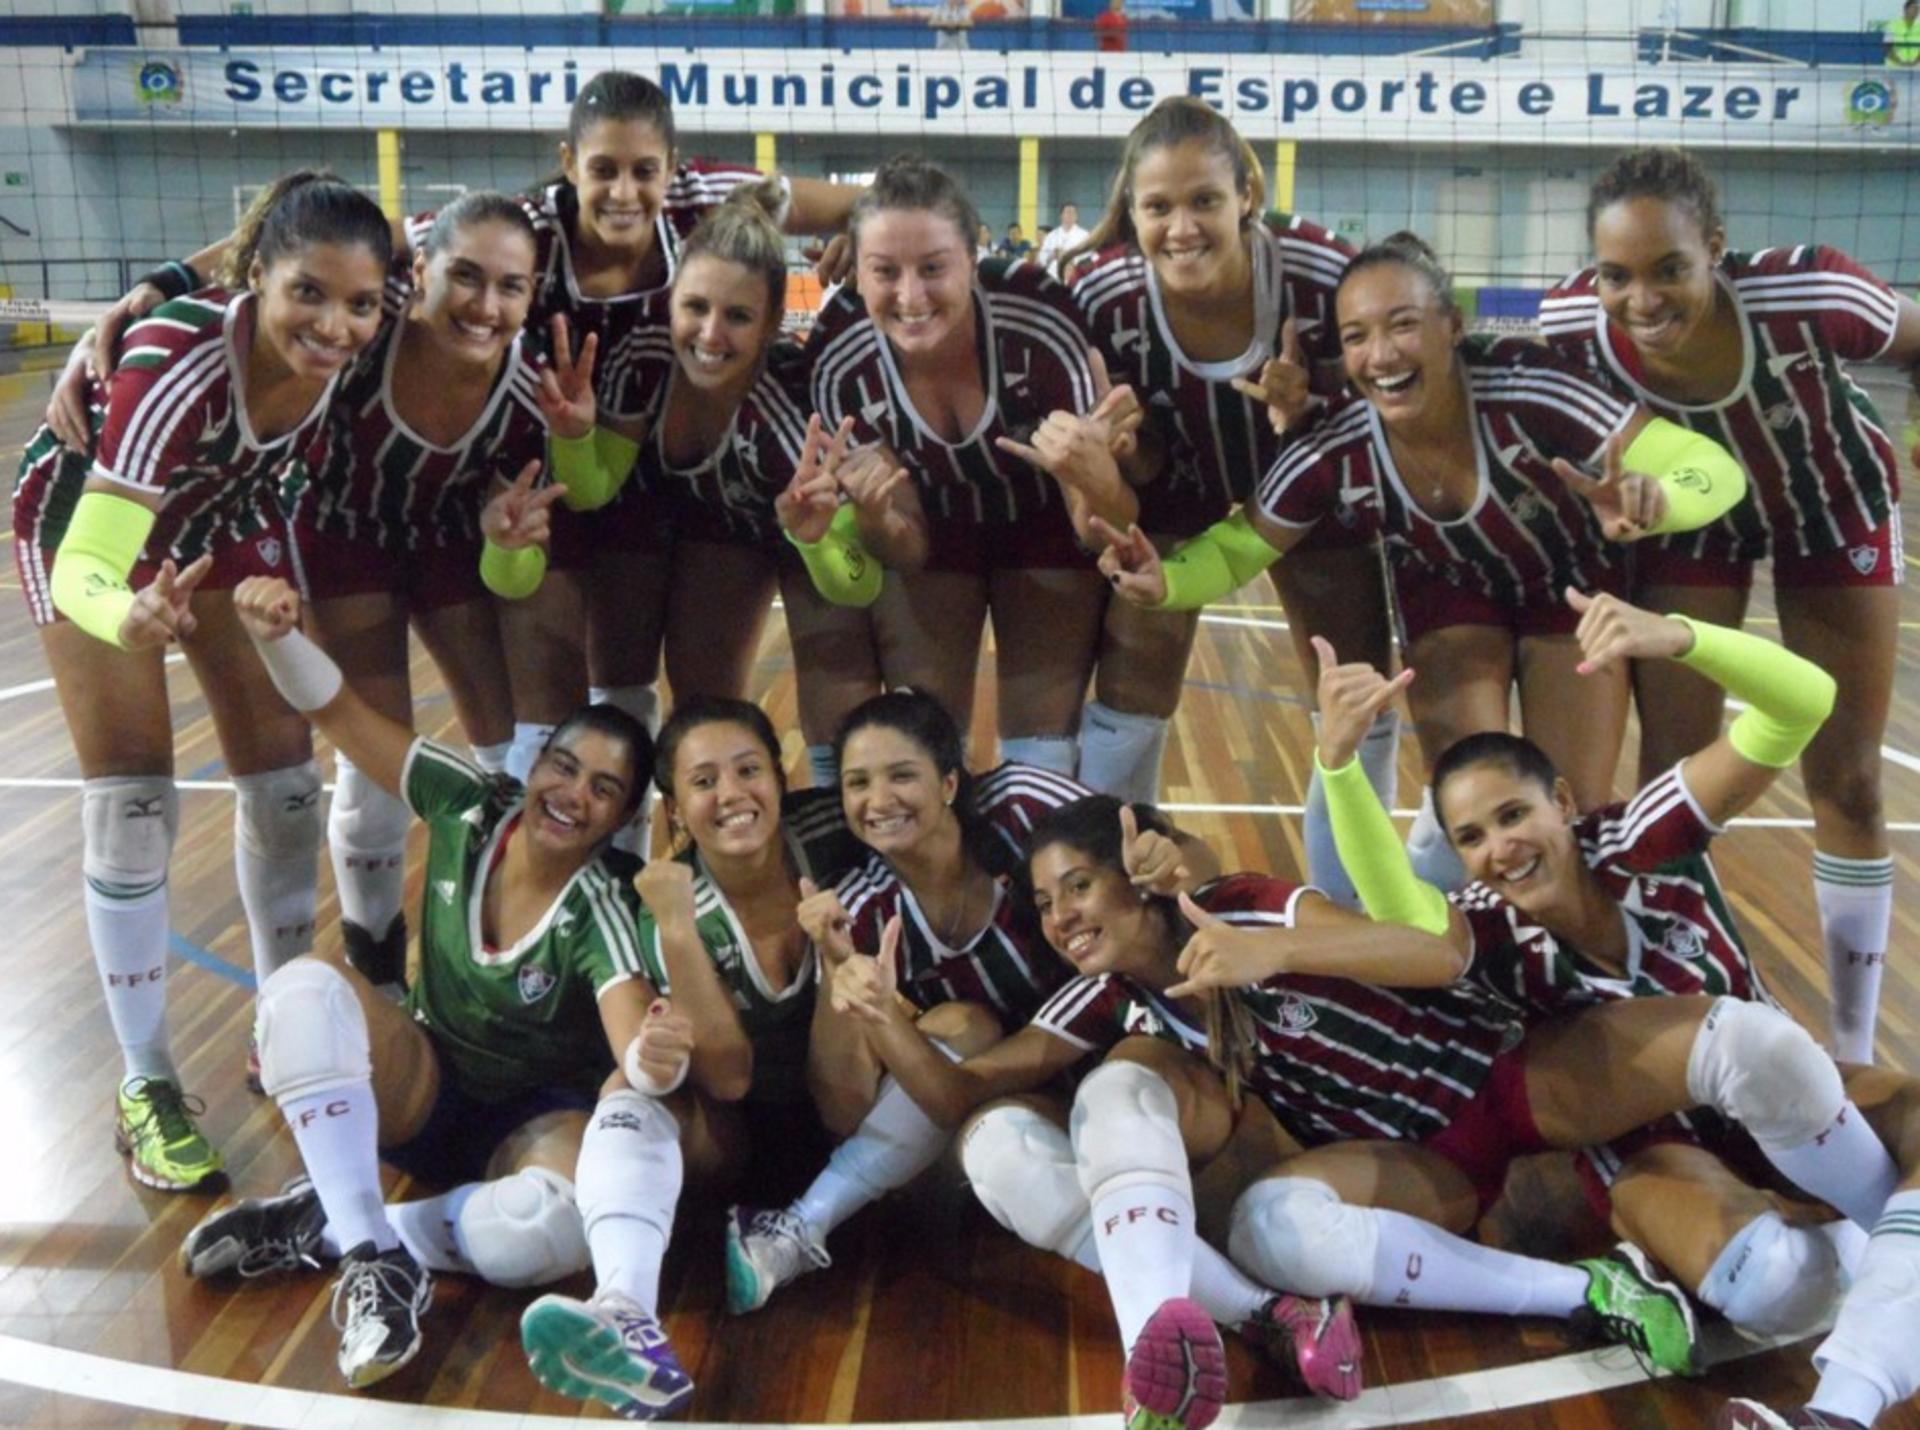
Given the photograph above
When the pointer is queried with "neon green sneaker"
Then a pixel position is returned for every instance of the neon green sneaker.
(155, 1130)
(1635, 1306)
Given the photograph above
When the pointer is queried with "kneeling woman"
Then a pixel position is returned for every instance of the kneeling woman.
(530, 992)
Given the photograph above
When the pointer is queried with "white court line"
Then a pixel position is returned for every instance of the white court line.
(1292, 811)
(34, 687)
(157, 1388)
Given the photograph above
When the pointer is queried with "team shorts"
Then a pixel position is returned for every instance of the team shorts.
(1045, 541)
(1426, 602)
(638, 519)
(1493, 1129)
(461, 1131)
(265, 553)
(430, 577)
(1878, 561)
(1600, 1167)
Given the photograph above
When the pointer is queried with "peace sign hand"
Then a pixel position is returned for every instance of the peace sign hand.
(517, 515)
(566, 385)
(1629, 504)
(1285, 385)
(162, 609)
(805, 507)
(1130, 563)
(1351, 697)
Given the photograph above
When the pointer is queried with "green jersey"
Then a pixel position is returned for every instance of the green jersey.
(509, 1020)
(775, 1022)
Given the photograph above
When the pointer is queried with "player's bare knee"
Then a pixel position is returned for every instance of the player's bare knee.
(1847, 792)
(967, 1029)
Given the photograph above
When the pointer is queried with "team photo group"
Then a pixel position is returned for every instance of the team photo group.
(665, 966)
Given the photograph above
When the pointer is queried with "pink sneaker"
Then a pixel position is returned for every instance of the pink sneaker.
(1176, 1372)
(1319, 1339)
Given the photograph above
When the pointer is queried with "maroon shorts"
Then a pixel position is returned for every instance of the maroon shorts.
(1490, 1131)
(265, 553)
(637, 519)
(1425, 602)
(1600, 1167)
(435, 576)
(1880, 561)
(1045, 542)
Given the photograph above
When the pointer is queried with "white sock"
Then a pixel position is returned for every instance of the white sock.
(427, 1229)
(627, 1181)
(1378, 756)
(367, 842)
(492, 758)
(1059, 753)
(1872, 1359)
(528, 741)
(1223, 1290)
(893, 1144)
(129, 937)
(1433, 857)
(1417, 1264)
(1846, 1166)
(1121, 752)
(822, 766)
(337, 1132)
(276, 844)
(1856, 914)
(1144, 1234)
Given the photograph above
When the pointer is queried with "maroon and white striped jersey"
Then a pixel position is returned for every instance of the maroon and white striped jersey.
(1337, 1060)
(1008, 966)
(1033, 359)
(1526, 537)
(1824, 472)
(696, 187)
(1218, 442)
(177, 426)
(366, 476)
(1650, 855)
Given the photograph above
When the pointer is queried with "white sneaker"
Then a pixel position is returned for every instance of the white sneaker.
(766, 1250)
(377, 1304)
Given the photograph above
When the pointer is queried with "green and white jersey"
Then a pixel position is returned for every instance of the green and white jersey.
(775, 1022)
(509, 1020)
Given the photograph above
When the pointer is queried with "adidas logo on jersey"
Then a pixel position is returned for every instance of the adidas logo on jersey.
(445, 889)
(1782, 363)
(535, 983)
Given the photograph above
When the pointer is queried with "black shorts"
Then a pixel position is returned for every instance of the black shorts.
(461, 1132)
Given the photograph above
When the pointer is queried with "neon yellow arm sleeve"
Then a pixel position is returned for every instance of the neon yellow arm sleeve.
(841, 568)
(593, 467)
(1374, 856)
(1216, 563)
(1700, 477)
(90, 569)
(514, 574)
(1788, 697)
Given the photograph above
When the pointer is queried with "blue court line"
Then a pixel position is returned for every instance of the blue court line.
(200, 958)
(1247, 692)
(208, 770)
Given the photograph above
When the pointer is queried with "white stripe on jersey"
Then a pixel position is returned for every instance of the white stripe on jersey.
(1559, 391)
(1329, 264)
(616, 925)
(1054, 331)
(1643, 811)
(164, 407)
(1125, 274)
(1309, 451)
(1058, 1013)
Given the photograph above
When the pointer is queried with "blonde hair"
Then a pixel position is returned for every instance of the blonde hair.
(742, 231)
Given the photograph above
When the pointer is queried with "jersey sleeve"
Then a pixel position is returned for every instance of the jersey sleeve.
(1660, 824)
(171, 368)
(1041, 310)
(1856, 315)
(1495, 963)
(437, 781)
(782, 403)
(1566, 410)
(1306, 481)
(847, 375)
(1313, 261)
(1012, 798)
(1088, 1013)
(604, 947)
(631, 379)
(1570, 319)
(818, 823)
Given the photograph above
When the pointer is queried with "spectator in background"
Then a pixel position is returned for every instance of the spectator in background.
(1063, 240)
(1903, 36)
(985, 244)
(1110, 28)
(951, 19)
(1014, 245)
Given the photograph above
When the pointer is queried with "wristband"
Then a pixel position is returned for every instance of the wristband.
(839, 565)
(641, 1081)
(174, 279)
(305, 675)
(514, 574)
(1701, 479)
(94, 558)
(1216, 563)
(1374, 857)
(1788, 697)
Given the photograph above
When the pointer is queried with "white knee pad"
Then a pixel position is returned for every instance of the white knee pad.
(640, 701)
(277, 815)
(129, 826)
(1126, 1131)
(311, 1030)
(1759, 1067)
(523, 1230)
(363, 816)
(1022, 1169)
(630, 1162)
(1296, 1233)
(1773, 1279)
(1059, 753)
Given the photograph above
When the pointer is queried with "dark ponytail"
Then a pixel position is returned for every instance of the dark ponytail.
(306, 206)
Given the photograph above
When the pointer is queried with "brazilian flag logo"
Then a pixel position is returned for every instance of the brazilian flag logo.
(1870, 102)
(159, 83)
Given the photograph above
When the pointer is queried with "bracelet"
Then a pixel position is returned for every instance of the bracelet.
(174, 279)
(643, 1083)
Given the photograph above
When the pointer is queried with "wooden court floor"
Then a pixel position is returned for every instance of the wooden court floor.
(929, 1313)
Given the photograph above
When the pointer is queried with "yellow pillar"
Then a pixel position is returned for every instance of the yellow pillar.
(1029, 205)
(766, 153)
(387, 145)
(1285, 153)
